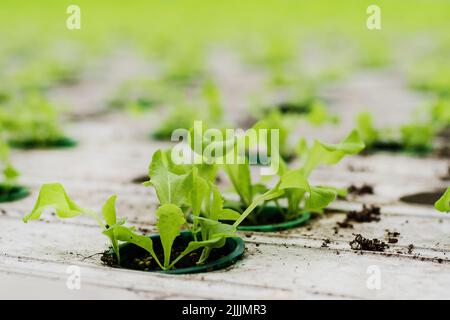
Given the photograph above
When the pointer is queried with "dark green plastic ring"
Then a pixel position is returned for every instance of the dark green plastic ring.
(63, 142)
(233, 246)
(8, 194)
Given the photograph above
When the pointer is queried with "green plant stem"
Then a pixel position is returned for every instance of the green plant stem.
(259, 200)
(205, 254)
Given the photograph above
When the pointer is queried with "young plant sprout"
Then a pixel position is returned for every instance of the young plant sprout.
(9, 174)
(440, 114)
(415, 136)
(183, 68)
(142, 94)
(293, 194)
(443, 204)
(275, 121)
(44, 72)
(181, 115)
(53, 196)
(188, 199)
(209, 108)
(32, 122)
(432, 76)
(317, 116)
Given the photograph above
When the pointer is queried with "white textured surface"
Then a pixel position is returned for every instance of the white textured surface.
(114, 149)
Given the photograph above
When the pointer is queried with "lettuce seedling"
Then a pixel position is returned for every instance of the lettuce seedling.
(366, 128)
(414, 136)
(208, 109)
(293, 187)
(440, 114)
(417, 136)
(44, 72)
(53, 196)
(187, 199)
(142, 94)
(319, 115)
(9, 173)
(443, 204)
(298, 191)
(274, 121)
(181, 116)
(183, 68)
(32, 120)
(431, 76)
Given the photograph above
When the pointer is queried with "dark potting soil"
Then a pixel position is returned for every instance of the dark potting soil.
(139, 259)
(325, 243)
(367, 214)
(262, 219)
(362, 190)
(261, 216)
(361, 243)
(392, 236)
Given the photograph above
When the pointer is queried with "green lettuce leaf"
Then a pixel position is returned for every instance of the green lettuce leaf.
(323, 153)
(240, 177)
(170, 188)
(319, 198)
(170, 220)
(53, 196)
(126, 234)
(443, 204)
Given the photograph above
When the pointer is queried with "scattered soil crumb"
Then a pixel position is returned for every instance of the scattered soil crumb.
(362, 190)
(143, 230)
(392, 236)
(325, 243)
(361, 243)
(344, 225)
(367, 214)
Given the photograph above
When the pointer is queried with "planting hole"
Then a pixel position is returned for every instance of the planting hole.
(424, 198)
(140, 179)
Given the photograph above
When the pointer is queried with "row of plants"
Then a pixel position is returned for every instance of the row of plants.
(416, 137)
(30, 121)
(197, 224)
